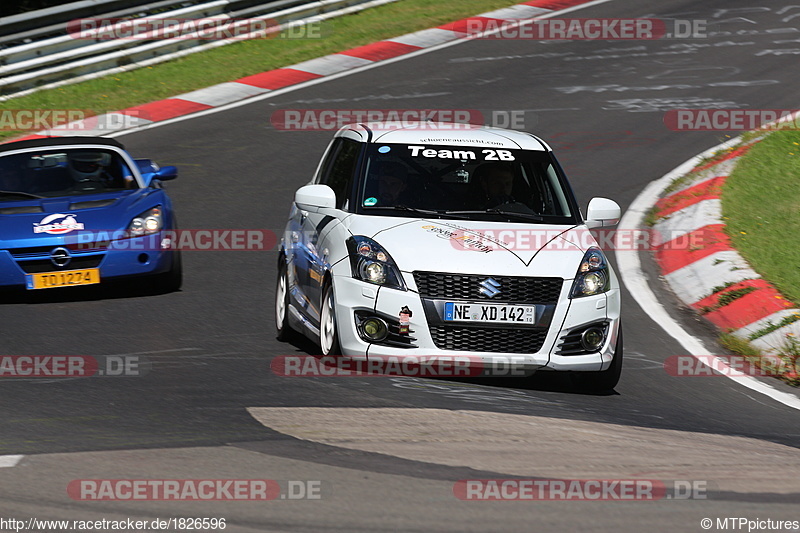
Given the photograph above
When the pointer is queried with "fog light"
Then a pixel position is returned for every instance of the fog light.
(374, 329)
(592, 339)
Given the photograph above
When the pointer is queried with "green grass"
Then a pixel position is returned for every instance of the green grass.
(241, 59)
(761, 201)
(783, 367)
(731, 296)
(772, 327)
(739, 346)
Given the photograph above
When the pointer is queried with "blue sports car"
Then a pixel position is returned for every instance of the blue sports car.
(80, 211)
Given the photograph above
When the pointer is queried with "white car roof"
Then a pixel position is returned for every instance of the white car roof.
(442, 133)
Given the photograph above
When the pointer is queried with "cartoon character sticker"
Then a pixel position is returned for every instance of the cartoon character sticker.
(405, 319)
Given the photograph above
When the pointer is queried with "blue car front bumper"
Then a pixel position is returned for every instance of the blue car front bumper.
(117, 259)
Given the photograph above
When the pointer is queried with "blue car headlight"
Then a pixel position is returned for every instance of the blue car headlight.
(147, 223)
(593, 276)
(370, 262)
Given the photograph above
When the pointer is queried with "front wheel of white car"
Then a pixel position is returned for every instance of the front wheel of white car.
(605, 380)
(328, 333)
(285, 332)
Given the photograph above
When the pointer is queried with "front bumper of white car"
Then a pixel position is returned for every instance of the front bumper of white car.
(497, 349)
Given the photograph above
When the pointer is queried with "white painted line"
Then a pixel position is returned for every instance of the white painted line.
(221, 94)
(689, 219)
(9, 461)
(717, 171)
(331, 64)
(518, 11)
(426, 38)
(775, 340)
(724, 168)
(630, 268)
(773, 319)
(695, 281)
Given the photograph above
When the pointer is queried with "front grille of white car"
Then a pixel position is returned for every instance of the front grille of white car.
(487, 339)
(512, 289)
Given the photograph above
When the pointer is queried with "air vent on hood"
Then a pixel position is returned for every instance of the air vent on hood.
(92, 203)
(19, 210)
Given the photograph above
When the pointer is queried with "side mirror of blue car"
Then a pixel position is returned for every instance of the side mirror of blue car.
(166, 173)
(151, 171)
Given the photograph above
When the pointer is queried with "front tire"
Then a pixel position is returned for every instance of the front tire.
(171, 280)
(285, 331)
(604, 380)
(328, 332)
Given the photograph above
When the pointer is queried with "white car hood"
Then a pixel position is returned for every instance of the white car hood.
(477, 247)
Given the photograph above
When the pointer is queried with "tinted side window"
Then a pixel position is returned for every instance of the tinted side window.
(325, 167)
(339, 168)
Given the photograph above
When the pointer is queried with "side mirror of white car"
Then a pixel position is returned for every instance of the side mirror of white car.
(602, 212)
(315, 197)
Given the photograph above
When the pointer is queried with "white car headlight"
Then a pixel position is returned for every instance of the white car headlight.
(371, 263)
(593, 276)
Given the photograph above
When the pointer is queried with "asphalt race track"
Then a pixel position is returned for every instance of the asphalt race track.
(210, 407)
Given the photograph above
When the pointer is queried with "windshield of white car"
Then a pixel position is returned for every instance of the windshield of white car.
(472, 182)
(57, 172)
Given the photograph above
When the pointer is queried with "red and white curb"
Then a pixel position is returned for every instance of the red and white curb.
(701, 266)
(330, 65)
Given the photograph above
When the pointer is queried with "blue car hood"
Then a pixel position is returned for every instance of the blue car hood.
(61, 220)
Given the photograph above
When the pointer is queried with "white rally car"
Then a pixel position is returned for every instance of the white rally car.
(437, 239)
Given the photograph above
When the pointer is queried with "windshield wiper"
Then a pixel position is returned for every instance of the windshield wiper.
(429, 212)
(21, 194)
(526, 216)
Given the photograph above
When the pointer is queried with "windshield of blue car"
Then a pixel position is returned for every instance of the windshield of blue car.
(59, 172)
(474, 182)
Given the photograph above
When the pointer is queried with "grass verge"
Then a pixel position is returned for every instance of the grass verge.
(245, 58)
(784, 366)
(761, 201)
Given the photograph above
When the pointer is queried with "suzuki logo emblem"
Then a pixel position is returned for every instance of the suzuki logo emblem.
(489, 287)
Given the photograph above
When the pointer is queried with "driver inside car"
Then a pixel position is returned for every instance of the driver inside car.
(392, 183)
(88, 169)
(496, 181)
